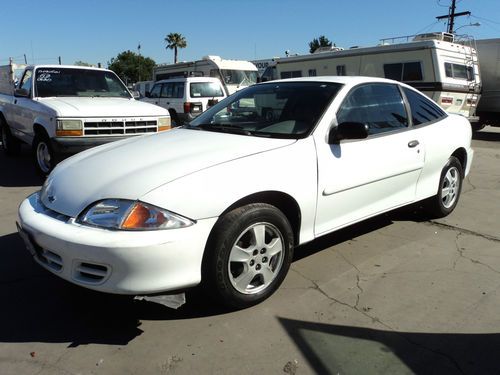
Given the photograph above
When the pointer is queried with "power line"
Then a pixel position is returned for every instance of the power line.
(452, 15)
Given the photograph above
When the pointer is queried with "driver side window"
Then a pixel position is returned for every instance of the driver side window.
(26, 81)
(378, 105)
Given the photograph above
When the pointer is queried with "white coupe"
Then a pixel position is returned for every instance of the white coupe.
(225, 199)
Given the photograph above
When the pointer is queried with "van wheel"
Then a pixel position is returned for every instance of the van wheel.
(10, 145)
(44, 155)
(252, 248)
(477, 126)
(450, 187)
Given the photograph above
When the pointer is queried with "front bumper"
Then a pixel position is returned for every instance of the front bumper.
(120, 262)
(73, 145)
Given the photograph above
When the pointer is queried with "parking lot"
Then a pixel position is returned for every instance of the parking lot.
(392, 295)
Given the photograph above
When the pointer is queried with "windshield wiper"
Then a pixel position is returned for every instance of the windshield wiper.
(226, 128)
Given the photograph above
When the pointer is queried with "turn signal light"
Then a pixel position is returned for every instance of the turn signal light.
(69, 133)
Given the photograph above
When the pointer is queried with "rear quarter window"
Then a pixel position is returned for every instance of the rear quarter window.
(423, 110)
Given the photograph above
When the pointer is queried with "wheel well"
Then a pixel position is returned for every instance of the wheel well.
(461, 155)
(284, 202)
(39, 130)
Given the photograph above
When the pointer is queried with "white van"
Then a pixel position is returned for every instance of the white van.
(185, 98)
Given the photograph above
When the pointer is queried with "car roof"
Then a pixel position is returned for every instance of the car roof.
(345, 80)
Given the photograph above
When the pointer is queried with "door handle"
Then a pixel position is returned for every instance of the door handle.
(412, 144)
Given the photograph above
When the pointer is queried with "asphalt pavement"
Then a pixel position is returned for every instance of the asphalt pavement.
(396, 294)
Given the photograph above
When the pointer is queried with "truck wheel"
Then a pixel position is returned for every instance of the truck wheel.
(477, 126)
(450, 186)
(44, 155)
(174, 118)
(10, 145)
(251, 250)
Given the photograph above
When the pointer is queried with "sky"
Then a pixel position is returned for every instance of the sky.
(94, 31)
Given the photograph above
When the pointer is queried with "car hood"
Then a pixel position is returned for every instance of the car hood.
(131, 168)
(101, 107)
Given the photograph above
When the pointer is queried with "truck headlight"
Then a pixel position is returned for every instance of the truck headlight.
(69, 128)
(164, 123)
(131, 215)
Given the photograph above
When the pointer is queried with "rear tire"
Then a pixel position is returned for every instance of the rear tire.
(10, 145)
(477, 126)
(251, 249)
(450, 187)
(45, 158)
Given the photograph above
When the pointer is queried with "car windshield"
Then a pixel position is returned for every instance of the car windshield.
(278, 109)
(239, 77)
(78, 82)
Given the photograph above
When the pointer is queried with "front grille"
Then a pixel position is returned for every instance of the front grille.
(90, 272)
(120, 127)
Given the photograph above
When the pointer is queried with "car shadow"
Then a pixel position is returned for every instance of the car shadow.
(485, 135)
(19, 170)
(335, 349)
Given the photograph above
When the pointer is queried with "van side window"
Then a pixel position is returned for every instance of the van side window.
(409, 71)
(423, 110)
(155, 92)
(378, 105)
(341, 70)
(178, 90)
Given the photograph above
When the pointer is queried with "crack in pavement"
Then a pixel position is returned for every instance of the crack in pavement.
(463, 230)
(315, 286)
(461, 252)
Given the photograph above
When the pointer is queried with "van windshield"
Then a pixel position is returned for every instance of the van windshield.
(280, 110)
(78, 82)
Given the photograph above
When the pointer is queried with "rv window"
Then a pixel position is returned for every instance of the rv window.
(292, 74)
(412, 71)
(380, 106)
(312, 72)
(459, 71)
(423, 110)
(341, 70)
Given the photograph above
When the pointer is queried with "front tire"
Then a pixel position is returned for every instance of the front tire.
(450, 187)
(45, 158)
(251, 251)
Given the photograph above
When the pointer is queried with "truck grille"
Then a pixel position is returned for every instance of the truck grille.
(120, 127)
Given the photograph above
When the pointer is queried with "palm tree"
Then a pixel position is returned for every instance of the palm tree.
(174, 41)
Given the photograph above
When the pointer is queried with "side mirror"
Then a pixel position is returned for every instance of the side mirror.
(23, 93)
(136, 94)
(348, 130)
(147, 94)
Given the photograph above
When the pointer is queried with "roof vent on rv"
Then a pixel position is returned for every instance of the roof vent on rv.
(328, 49)
(446, 37)
(212, 57)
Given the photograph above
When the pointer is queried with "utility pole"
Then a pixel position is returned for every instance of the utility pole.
(451, 16)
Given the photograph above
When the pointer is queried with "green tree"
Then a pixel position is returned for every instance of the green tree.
(175, 41)
(132, 67)
(322, 41)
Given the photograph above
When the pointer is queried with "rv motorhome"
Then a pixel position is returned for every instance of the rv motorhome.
(234, 74)
(439, 65)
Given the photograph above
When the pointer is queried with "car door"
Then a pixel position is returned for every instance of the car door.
(359, 178)
(23, 107)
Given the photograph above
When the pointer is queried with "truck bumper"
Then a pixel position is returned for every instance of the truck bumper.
(72, 145)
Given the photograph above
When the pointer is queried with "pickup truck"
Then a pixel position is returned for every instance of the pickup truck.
(63, 109)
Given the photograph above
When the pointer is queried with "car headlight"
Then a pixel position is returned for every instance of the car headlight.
(131, 215)
(69, 128)
(164, 123)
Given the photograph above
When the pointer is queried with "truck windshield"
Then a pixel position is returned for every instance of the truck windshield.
(78, 82)
(280, 110)
(239, 77)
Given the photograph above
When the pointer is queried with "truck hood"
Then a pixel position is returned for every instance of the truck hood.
(131, 168)
(101, 107)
